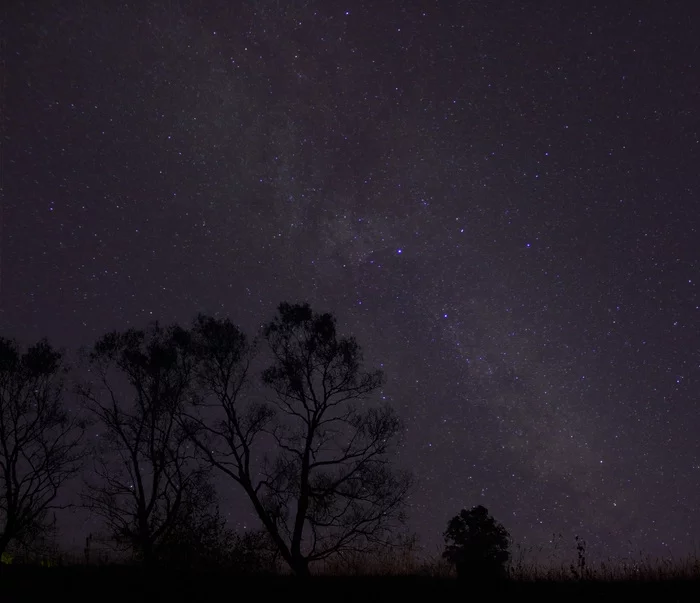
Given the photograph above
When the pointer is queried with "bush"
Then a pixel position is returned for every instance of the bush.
(477, 545)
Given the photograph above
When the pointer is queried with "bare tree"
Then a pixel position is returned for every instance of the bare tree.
(39, 440)
(144, 467)
(328, 488)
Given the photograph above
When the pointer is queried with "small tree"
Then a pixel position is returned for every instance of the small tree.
(145, 468)
(199, 538)
(328, 489)
(477, 545)
(39, 440)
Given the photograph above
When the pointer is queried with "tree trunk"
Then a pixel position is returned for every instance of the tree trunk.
(147, 554)
(4, 541)
(300, 567)
(269, 524)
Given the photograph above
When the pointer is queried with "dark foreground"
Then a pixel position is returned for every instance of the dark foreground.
(130, 584)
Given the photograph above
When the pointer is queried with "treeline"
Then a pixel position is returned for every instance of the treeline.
(180, 408)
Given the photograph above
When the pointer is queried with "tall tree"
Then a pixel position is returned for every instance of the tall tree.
(328, 488)
(40, 441)
(145, 468)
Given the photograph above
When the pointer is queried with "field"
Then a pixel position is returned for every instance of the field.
(661, 581)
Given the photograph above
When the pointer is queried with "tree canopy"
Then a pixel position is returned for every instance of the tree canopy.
(477, 544)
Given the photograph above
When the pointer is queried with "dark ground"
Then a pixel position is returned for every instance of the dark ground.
(72, 584)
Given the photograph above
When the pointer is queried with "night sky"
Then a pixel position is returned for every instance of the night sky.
(500, 200)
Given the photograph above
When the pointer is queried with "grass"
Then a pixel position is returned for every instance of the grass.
(404, 574)
(524, 569)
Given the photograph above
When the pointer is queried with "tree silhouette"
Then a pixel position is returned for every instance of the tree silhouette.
(39, 440)
(328, 488)
(145, 465)
(477, 545)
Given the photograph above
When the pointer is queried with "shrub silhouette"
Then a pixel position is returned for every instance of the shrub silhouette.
(477, 545)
